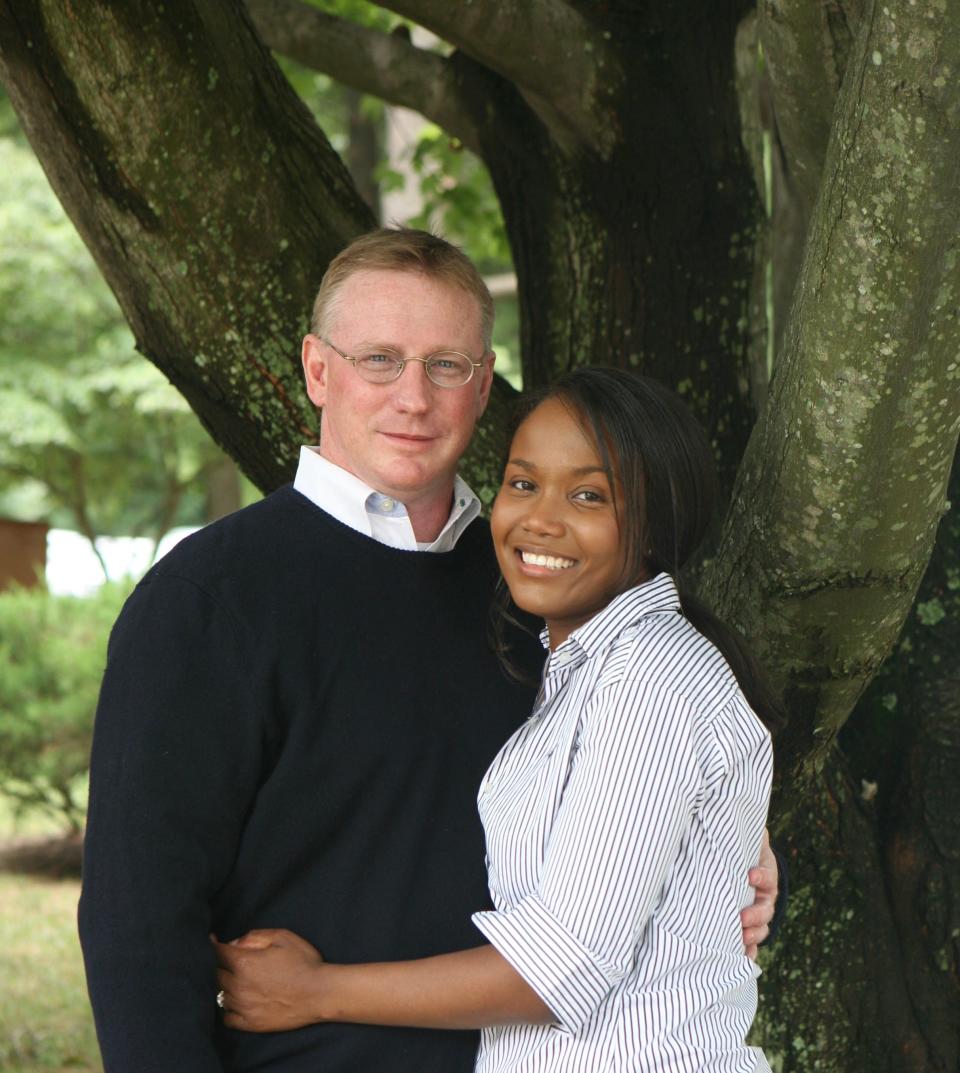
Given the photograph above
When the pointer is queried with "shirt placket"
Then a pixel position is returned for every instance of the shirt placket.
(553, 680)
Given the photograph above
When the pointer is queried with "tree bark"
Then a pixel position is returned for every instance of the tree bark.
(839, 496)
(903, 746)
(209, 198)
(836, 506)
(386, 65)
(641, 259)
(364, 151)
(866, 975)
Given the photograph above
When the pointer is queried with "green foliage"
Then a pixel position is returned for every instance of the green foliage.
(94, 432)
(362, 11)
(458, 195)
(52, 655)
(930, 612)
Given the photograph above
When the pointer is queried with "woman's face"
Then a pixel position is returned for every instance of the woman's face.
(555, 525)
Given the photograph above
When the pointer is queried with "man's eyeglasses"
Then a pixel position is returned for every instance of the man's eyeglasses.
(382, 365)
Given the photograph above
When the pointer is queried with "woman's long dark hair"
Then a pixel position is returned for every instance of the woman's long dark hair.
(654, 450)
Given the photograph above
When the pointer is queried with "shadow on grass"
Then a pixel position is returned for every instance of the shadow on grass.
(56, 857)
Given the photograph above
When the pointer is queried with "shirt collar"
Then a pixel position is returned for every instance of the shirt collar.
(651, 597)
(354, 503)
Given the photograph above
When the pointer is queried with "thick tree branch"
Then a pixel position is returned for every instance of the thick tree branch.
(843, 484)
(209, 198)
(385, 65)
(564, 66)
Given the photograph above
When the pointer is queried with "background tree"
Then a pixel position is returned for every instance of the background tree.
(91, 436)
(680, 192)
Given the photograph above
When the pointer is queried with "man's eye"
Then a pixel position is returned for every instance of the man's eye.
(377, 358)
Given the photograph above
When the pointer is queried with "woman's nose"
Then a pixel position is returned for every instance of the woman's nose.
(543, 519)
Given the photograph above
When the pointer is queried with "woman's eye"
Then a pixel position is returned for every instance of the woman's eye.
(587, 495)
(521, 484)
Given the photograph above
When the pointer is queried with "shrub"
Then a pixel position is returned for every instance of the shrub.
(52, 655)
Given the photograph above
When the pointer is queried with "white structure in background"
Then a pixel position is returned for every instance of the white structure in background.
(402, 128)
(73, 570)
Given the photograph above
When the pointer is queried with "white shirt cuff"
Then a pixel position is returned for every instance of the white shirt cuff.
(569, 978)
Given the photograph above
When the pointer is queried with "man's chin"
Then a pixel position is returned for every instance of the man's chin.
(406, 479)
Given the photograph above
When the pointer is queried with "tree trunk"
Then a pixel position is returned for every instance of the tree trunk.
(903, 749)
(837, 502)
(842, 488)
(641, 256)
(213, 205)
(222, 489)
(866, 974)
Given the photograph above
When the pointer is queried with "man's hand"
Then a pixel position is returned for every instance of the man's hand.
(756, 918)
(270, 980)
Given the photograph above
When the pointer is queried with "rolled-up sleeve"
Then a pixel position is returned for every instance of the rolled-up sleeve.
(632, 788)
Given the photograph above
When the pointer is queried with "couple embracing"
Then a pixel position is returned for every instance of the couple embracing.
(335, 828)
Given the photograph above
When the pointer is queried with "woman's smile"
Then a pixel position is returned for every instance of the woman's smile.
(555, 522)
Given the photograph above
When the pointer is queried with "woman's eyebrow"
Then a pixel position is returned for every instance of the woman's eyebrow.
(577, 471)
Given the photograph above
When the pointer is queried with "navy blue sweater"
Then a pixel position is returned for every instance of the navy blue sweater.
(292, 728)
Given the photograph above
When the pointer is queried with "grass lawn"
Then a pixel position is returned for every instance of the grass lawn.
(45, 1021)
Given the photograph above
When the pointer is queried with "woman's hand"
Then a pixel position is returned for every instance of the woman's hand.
(271, 980)
(755, 919)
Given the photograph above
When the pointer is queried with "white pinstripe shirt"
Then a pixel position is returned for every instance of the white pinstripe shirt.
(621, 821)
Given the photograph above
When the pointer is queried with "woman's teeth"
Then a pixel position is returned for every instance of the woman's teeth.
(551, 562)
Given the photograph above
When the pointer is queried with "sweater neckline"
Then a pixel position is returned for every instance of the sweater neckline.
(369, 544)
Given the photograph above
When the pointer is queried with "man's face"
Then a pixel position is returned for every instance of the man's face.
(404, 438)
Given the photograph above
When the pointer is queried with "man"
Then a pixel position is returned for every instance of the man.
(300, 701)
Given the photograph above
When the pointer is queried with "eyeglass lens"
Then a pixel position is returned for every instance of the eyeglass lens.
(445, 368)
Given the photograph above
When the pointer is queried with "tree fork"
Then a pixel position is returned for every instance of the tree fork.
(642, 259)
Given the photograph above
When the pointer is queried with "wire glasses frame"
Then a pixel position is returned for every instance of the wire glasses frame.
(383, 365)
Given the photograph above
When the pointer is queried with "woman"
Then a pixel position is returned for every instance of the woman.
(622, 818)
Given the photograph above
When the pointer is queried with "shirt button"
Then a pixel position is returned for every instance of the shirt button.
(387, 505)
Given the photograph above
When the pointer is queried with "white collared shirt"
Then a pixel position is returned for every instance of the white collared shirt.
(621, 820)
(354, 503)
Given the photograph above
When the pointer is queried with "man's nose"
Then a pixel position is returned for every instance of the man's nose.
(413, 391)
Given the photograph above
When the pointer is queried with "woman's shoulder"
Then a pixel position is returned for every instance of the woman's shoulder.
(666, 652)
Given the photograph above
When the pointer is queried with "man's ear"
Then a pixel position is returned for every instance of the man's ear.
(314, 369)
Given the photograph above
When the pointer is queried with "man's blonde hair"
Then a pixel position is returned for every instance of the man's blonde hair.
(402, 249)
